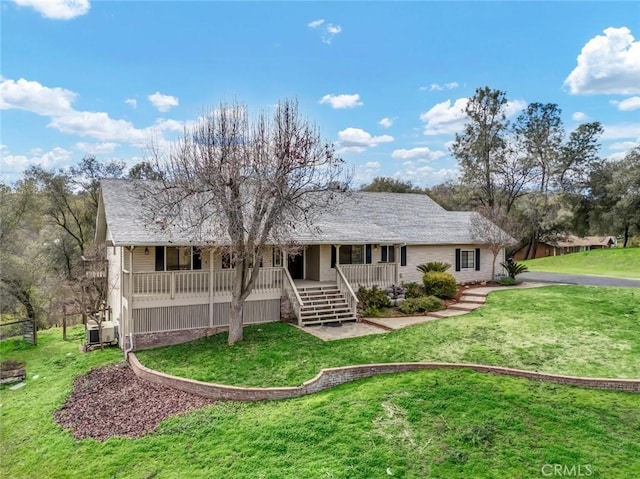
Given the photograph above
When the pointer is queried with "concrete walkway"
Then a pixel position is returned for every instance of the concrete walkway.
(469, 301)
(345, 330)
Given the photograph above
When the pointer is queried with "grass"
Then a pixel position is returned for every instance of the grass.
(576, 330)
(454, 424)
(615, 263)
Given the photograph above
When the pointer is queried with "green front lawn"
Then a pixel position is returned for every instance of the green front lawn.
(453, 424)
(616, 263)
(576, 330)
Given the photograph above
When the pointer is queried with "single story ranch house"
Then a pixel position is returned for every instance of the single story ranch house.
(163, 291)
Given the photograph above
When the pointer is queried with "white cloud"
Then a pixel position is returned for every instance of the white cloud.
(33, 97)
(163, 102)
(386, 122)
(96, 148)
(425, 175)
(327, 30)
(421, 154)
(132, 102)
(445, 118)
(437, 87)
(57, 9)
(608, 63)
(356, 140)
(628, 104)
(372, 165)
(579, 116)
(621, 131)
(14, 165)
(100, 126)
(513, 107)
(55, 103)
(624, 146)
(342, 101)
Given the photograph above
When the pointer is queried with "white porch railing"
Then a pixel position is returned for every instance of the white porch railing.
(193, 284)
(346, 289)
(367, 275)
(291, 292)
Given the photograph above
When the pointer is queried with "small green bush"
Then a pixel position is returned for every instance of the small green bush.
(442, 285)
(433, 267)
(423, 304)
(506, 281)
(371, 312)
(413, 290)
(372, 297)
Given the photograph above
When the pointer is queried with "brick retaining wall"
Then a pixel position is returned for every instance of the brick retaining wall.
(330, 377)
(170, 338)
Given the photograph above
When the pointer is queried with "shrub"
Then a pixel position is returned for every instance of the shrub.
(413, 290)
(371, 312)
(514, 269)
(442, 285)
(372, 297)
(433, 267)
(506, 281)
(423, 304)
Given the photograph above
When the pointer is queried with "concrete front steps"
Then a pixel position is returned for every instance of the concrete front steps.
(323, 304)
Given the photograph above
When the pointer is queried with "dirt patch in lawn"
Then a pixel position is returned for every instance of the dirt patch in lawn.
(111, 401)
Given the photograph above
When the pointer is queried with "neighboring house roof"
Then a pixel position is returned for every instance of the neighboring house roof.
(362, 217)
(571, 240)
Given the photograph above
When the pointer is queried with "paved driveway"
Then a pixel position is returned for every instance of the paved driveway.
(577, 279)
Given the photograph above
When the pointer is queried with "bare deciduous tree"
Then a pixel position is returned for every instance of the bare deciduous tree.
(490, 227)
(237, 184)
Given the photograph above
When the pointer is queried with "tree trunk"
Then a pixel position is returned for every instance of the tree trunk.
(526, 256)
(534, 240)
(235, 321)
(493, 267)
(626, 236)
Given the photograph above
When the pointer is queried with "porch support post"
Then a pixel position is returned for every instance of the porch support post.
(211, 285)
(130, 292)
(397, 258)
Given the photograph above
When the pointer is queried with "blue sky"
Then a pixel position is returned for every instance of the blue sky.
(385, 81)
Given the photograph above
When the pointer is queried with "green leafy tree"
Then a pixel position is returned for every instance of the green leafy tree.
(22, 260)
(482, 147)
(385, 184)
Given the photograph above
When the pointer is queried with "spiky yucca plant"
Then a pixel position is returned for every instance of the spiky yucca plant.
(433, 267)
(514, 269)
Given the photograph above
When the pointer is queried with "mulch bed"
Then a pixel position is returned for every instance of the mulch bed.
(111, 401)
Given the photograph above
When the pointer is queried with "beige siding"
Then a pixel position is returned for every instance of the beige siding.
(144, 262)
(114, 271)
(173, 318)
(423, 254)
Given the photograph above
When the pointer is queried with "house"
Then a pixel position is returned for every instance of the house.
(567, 244)
(163, 290)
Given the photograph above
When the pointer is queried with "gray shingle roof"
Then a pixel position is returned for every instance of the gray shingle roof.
(362, 217)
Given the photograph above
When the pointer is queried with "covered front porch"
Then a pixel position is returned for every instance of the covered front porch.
(318, 286)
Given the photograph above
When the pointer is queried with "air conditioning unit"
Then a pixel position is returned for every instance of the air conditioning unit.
(108, 332)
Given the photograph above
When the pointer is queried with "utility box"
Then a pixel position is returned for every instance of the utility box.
(108, 332)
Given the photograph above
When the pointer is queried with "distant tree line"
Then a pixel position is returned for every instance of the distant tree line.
(532, 176)
(47, 226)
